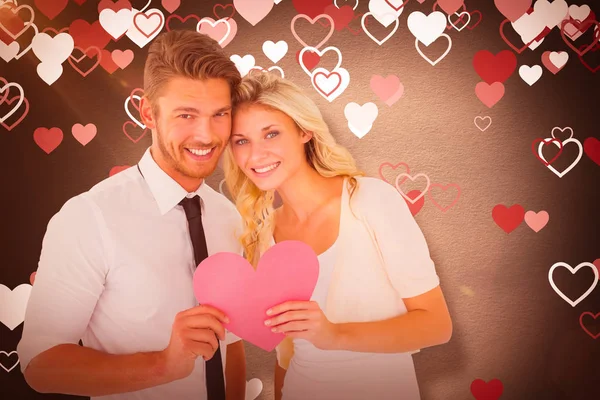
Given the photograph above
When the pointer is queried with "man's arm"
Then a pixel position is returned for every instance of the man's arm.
(235, 371)
(77, 370)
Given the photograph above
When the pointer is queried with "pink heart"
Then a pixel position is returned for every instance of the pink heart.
(389, 89)
(84, 134)
(253, 11)
(489, 94)
(226, 281)
(122, 58)
(171, 5)
(513, 9)
(450, 6)
(536, 221)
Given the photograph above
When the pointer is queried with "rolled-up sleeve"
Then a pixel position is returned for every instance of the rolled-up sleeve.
(401, 241)
(69, 280)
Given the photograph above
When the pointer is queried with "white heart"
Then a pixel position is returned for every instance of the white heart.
(552, 13)
(8, 355)
(404, 174)
(10, 51)
(426, 28)
(135, 120)
(253, 388)
(385, 39)
(486, 118)
(383, 12)
(579, 12)
(320, 53)
(361, 117)
(275, 51)
(530, 74)
(559, 59)
(573, 271)
(214, 23)
(459, 18)
(570, 167)
(116, 23)
(440, 58)
(243, 64)
(13, 304)
(49, 72)
(53, 50)
(330, 82)
(136, 36)
(16, 107)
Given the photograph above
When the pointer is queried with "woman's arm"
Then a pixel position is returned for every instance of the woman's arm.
(427, 323)
(278, 381)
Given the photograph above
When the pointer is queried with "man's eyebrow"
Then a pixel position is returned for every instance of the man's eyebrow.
(195, 110)
(187, 109)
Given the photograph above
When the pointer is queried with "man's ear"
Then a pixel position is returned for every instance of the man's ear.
(146, 113)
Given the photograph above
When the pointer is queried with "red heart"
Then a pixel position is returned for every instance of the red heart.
(9, 102)
(311, 8)
(51, 8)
(581, 26)
(138, 128)
(508, 218)
(394, 167)
(223, 7)
(494, 68)
(341, 16)
(287, 271)
(416, 207)
(119, 5)
(471, 13)
(86, 35)
(591, 147)
(546, 142)
(451, 6)
(107, 62)
(74, 61)
(310, 58)
(181, 20)
(594, 336)
(585, 64)
(11, 22)
(491, 390)
(48, 139)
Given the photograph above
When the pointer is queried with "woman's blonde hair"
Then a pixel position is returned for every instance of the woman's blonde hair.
(322, 153)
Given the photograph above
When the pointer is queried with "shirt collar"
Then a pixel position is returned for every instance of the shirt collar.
(166, 191)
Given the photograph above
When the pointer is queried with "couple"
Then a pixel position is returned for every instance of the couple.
(117, 261)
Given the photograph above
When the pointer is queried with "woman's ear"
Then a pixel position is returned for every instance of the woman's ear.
(146, 113)
(306, 136)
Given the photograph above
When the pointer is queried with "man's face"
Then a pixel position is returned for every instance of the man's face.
(192, 127)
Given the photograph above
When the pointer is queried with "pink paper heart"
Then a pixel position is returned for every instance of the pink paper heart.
(226, 281)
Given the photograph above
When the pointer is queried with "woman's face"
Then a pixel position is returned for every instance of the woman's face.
(267, 145)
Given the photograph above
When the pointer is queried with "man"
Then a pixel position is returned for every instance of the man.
(117, 261)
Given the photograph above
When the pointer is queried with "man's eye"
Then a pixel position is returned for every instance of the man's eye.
(185, 116)
(222, 114)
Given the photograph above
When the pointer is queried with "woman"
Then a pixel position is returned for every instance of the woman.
(377, 298)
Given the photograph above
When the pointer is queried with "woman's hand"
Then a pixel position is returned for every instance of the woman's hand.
(304, 320)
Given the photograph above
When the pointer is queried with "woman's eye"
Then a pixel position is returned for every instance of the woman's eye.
(240, 141)
(272, 134)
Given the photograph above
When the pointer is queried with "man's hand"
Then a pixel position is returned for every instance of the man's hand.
(194, 334)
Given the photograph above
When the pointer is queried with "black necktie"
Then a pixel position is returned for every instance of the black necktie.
(215, 383)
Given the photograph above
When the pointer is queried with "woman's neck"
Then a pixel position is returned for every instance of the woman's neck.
(303, 193)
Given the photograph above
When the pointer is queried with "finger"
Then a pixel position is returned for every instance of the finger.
(201, 349)
(294, 326)
(195, 336)
(290, 305)
(204, 321)
(290, 316)
(205, 309)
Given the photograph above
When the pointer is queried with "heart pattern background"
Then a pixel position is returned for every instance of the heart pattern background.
(481, 114)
